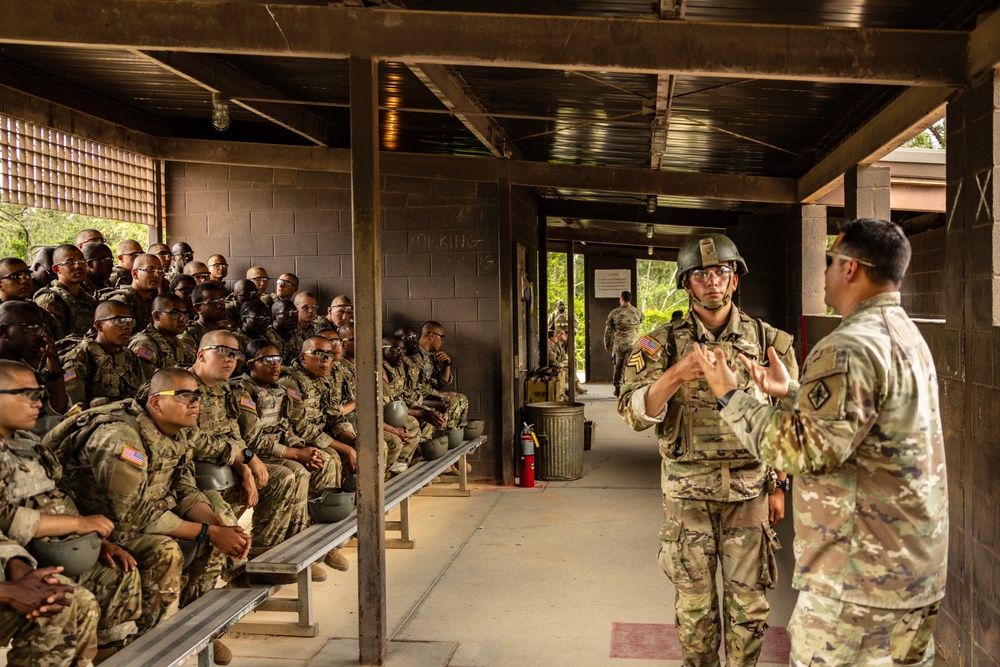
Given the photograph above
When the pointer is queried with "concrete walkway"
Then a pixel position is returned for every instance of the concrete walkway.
(564, 574)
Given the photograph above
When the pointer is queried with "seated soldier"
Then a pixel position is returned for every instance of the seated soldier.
(72, 307)
(339, 314)
(210, 307)
(305, 303)
(281, 333)
(272, 490)
(47, 621)
(147, 274)
(199, 271)
(339, 425)
(121, 275)
(42, 274)
(180, 254)
(218, 269)
(182, 287)
(87, 236)
(437, 375)
(258, 276)
(243, 291)
(23, 338)
(100, 262)
(159, 345)
(103, 370)
(285, 287)
(16, 285)
(162, 252)
(255, 318)
(133, 464)
(265, 427)
(32, 508)
(421, 422)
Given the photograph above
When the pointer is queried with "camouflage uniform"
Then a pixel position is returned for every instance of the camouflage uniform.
(422, 376)
(95, 289)
(863, 436)
(194, 333)
(146, 501)
(394, 389)
(28, 475)
(74, 314)
(619, 334)
(218, 440)
(267, 430)
(557, 356)
(559, 320)
(155, 350)
(68, 638)
(317, 406)
(120, 277)
(233, 310)
(142, 309)
(289, 348)
(343, 376)
(93, 372)
(714, 496)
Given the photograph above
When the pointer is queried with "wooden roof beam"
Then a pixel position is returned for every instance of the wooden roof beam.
(618, 237)
(839, 54)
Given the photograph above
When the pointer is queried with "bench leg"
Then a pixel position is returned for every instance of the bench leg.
(463, 484)
(403, 525)
(302, 605)
(305, 598)
(207, 656)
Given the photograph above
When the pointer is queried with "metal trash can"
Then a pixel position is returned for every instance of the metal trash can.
(559, 426)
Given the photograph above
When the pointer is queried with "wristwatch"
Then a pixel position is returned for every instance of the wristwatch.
(784, 484)
(247, 455)
(203, 535)
(724, 401)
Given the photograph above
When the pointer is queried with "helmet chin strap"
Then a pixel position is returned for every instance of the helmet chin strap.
(713, 304)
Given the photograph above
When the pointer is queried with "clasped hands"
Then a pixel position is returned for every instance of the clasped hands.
(772, 379)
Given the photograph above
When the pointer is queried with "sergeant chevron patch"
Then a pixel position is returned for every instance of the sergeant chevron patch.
(636, 361)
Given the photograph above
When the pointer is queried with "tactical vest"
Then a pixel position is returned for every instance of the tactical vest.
(38, 469)
(107, 381)
(68, 438)
(695, 431)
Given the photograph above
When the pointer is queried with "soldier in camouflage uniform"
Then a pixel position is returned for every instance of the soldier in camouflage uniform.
(305, 303)
(285, 287)
(270, 489)
(133, 464)
(258, 276)
(862, 434)
(719, 498)
(559, 318)
(339, 424)
(339, 314)
(243, 292)
(103, 369)
(31, 507)
(72, 307)
(159, 345)
(421, 422)
(282, 332)
(423, 370)
(180, 254)
(24, 338)
(557, 353)
(620, 333)
(41, 269)
(121, 275)
(147, 275)
(100, 262)
(199, 271)
(49, 621)
(218, 269)
(209, 303)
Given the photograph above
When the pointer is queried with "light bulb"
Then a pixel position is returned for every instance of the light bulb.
(220, 112)
(651, 204)
(650, 250)
(649, 231)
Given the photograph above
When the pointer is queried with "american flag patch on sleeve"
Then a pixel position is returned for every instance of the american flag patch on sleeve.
(295, 396)
(245, 402)
(143, 353)
(133, 456)
(69, 375)
(649, 345)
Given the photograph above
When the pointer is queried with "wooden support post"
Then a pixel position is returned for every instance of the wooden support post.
(365, 182)
(571, 334)
(508, 410)
(542, 290)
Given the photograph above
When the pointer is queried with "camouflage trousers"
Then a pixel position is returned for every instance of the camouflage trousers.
(696, 535)
(416, 432)
(164, 577)
(67, 639)
(832, 633)
(620, 357)
(281, 507)
(119, 597)
(457, 413)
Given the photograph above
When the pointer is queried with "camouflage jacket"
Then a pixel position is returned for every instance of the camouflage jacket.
(342, 380)
(142, 309)
(120, 277)
(269, 299)
(155, 351)
(194, 332)
(316, 405)
(416, 385)
(863, 437)
(393, 382)
(433, 371)
(28, 476)
(135, 475)
(559, 320)
(265, 418)
(288, 349)
(621, 327)
(557, 355)
(73, 314)
(217, 438)
(92, 372)
(689, 429)
(95, 289)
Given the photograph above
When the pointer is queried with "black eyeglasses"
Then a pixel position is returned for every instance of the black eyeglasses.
(322, 355)
(174, 312)
(31, 393)
(225, 351)
(133, 254)
(17, 275)
(119, 321)
(36, 329)
(185, 396)
(185, 290)
(435, 333)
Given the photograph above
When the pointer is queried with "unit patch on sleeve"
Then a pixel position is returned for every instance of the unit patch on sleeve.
(818, 395)
(636, 362)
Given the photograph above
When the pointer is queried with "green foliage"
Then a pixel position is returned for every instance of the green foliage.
(23, 230)
(936, 136)
(557, 290)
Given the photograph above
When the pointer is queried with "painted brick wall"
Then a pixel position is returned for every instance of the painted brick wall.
(923, 294)
(439, 241)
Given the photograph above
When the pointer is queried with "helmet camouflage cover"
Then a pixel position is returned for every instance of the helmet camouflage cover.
(707, 250)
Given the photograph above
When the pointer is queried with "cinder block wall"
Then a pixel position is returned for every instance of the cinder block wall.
(439, 239)
(923, 294)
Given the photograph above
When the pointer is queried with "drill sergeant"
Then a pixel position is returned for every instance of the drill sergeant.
(719, 499)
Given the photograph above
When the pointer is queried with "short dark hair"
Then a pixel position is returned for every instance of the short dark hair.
(879, 242)
(627, 296)
(198, 295)
(255, 346)
(178, 279)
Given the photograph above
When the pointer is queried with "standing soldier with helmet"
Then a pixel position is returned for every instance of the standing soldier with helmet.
(619, 331)
(719, 500)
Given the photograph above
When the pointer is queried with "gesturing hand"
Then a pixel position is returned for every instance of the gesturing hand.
(718, 374)
(773, 379)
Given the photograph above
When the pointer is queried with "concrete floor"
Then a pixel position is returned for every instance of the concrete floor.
(564, 574)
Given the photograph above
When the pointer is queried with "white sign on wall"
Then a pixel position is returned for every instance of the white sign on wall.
(610, 283)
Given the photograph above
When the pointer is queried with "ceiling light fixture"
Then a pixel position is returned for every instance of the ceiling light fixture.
(649, 231)
(220, 112)
(651, 204)
(650, 250)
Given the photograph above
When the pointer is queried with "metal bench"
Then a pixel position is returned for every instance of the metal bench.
(191, 630)
(297, 553)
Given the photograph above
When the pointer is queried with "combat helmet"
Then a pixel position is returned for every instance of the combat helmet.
(332, 506)
(394, 414)
(75, 553)
(213, 477)
(708, 250)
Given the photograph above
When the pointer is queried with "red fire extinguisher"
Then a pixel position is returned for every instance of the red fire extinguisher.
(528, 444)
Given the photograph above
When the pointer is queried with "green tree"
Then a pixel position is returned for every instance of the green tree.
(557, 290)
(658, 296)
(935, 136)
(24, 229)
